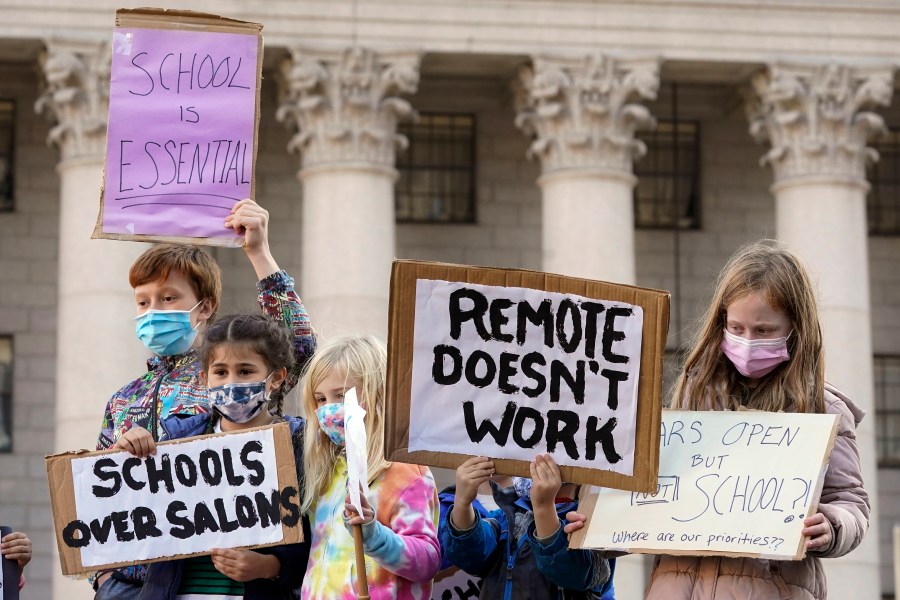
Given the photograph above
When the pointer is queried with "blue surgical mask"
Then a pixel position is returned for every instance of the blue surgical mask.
(166, 332)
(239, 402)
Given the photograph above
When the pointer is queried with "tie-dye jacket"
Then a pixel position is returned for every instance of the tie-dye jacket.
(173, 384)
(401, 545)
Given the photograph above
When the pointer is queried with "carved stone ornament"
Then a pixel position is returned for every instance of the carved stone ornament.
(343, 104)
(579, 112)
(76, 96)
(812, 116)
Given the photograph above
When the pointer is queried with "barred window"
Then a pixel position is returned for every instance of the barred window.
(887, 409)
(6, 376)
(437, 171)
(883, 201)
(667, 194)
(7, 151)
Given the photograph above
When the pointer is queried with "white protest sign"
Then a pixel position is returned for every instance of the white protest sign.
(508, 363)
(218, 491)
(730, 483)
(509, 372)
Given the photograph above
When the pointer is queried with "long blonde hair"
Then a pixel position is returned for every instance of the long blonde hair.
(362, 360)
(710, 381)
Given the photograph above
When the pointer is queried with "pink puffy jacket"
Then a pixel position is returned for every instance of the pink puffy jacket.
(845, 504)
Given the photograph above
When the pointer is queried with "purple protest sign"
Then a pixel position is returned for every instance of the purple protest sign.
(181, 138)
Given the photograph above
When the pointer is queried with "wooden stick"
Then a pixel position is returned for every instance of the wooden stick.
(363, 584)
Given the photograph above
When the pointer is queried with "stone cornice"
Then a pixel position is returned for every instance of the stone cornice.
(76, 96)
(814, 118)
(706, 31)
(579, 113)
(343, 105)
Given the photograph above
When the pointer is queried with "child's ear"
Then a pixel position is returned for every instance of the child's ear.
(207, 308)
(203, 377)
(278, 377)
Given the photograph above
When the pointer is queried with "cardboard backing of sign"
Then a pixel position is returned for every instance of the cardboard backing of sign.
(588, 498)
(655, 304)
(188, 20)
(62, 497)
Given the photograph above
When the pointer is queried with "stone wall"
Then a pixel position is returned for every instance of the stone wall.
(28, 263)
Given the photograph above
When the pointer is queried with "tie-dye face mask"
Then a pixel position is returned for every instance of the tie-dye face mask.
(331, 420)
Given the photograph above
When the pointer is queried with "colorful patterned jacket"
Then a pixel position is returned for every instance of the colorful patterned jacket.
(172, 384)
(401, 545)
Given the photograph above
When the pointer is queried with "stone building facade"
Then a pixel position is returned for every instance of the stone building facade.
(567, 106)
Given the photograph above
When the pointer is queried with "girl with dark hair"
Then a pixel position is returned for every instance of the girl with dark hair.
(245, 360)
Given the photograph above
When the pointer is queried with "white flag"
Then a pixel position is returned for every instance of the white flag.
(357, 449)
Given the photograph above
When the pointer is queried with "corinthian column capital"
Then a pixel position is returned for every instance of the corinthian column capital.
(76, 96)
(581, 113)
(344, 105)
(814, 118)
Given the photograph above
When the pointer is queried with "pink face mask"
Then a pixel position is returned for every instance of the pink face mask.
(755, 358)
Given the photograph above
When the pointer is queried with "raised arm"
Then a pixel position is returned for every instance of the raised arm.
(277, 296)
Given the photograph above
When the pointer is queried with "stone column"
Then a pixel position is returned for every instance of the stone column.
(579, 114)
(812, 116)
(343, 107)
(97, 351)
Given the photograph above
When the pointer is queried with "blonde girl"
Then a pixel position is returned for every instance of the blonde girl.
(760, 347)
(398, 520)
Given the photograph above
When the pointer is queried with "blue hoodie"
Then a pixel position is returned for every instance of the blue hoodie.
(522, 567)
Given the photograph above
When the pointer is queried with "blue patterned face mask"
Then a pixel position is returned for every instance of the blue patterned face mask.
(522, 486)
(239, 402)
(166, 332)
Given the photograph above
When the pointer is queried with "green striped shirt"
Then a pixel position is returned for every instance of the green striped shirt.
(200, 578)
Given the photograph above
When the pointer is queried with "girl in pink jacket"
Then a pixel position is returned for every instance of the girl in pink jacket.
(759, 346)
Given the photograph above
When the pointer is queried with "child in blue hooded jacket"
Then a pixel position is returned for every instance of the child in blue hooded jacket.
(520, 550)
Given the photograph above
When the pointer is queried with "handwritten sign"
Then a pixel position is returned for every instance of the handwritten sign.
(183, 115)
(515, 365)
(730, 483)
(219, 491)
(455, 584)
